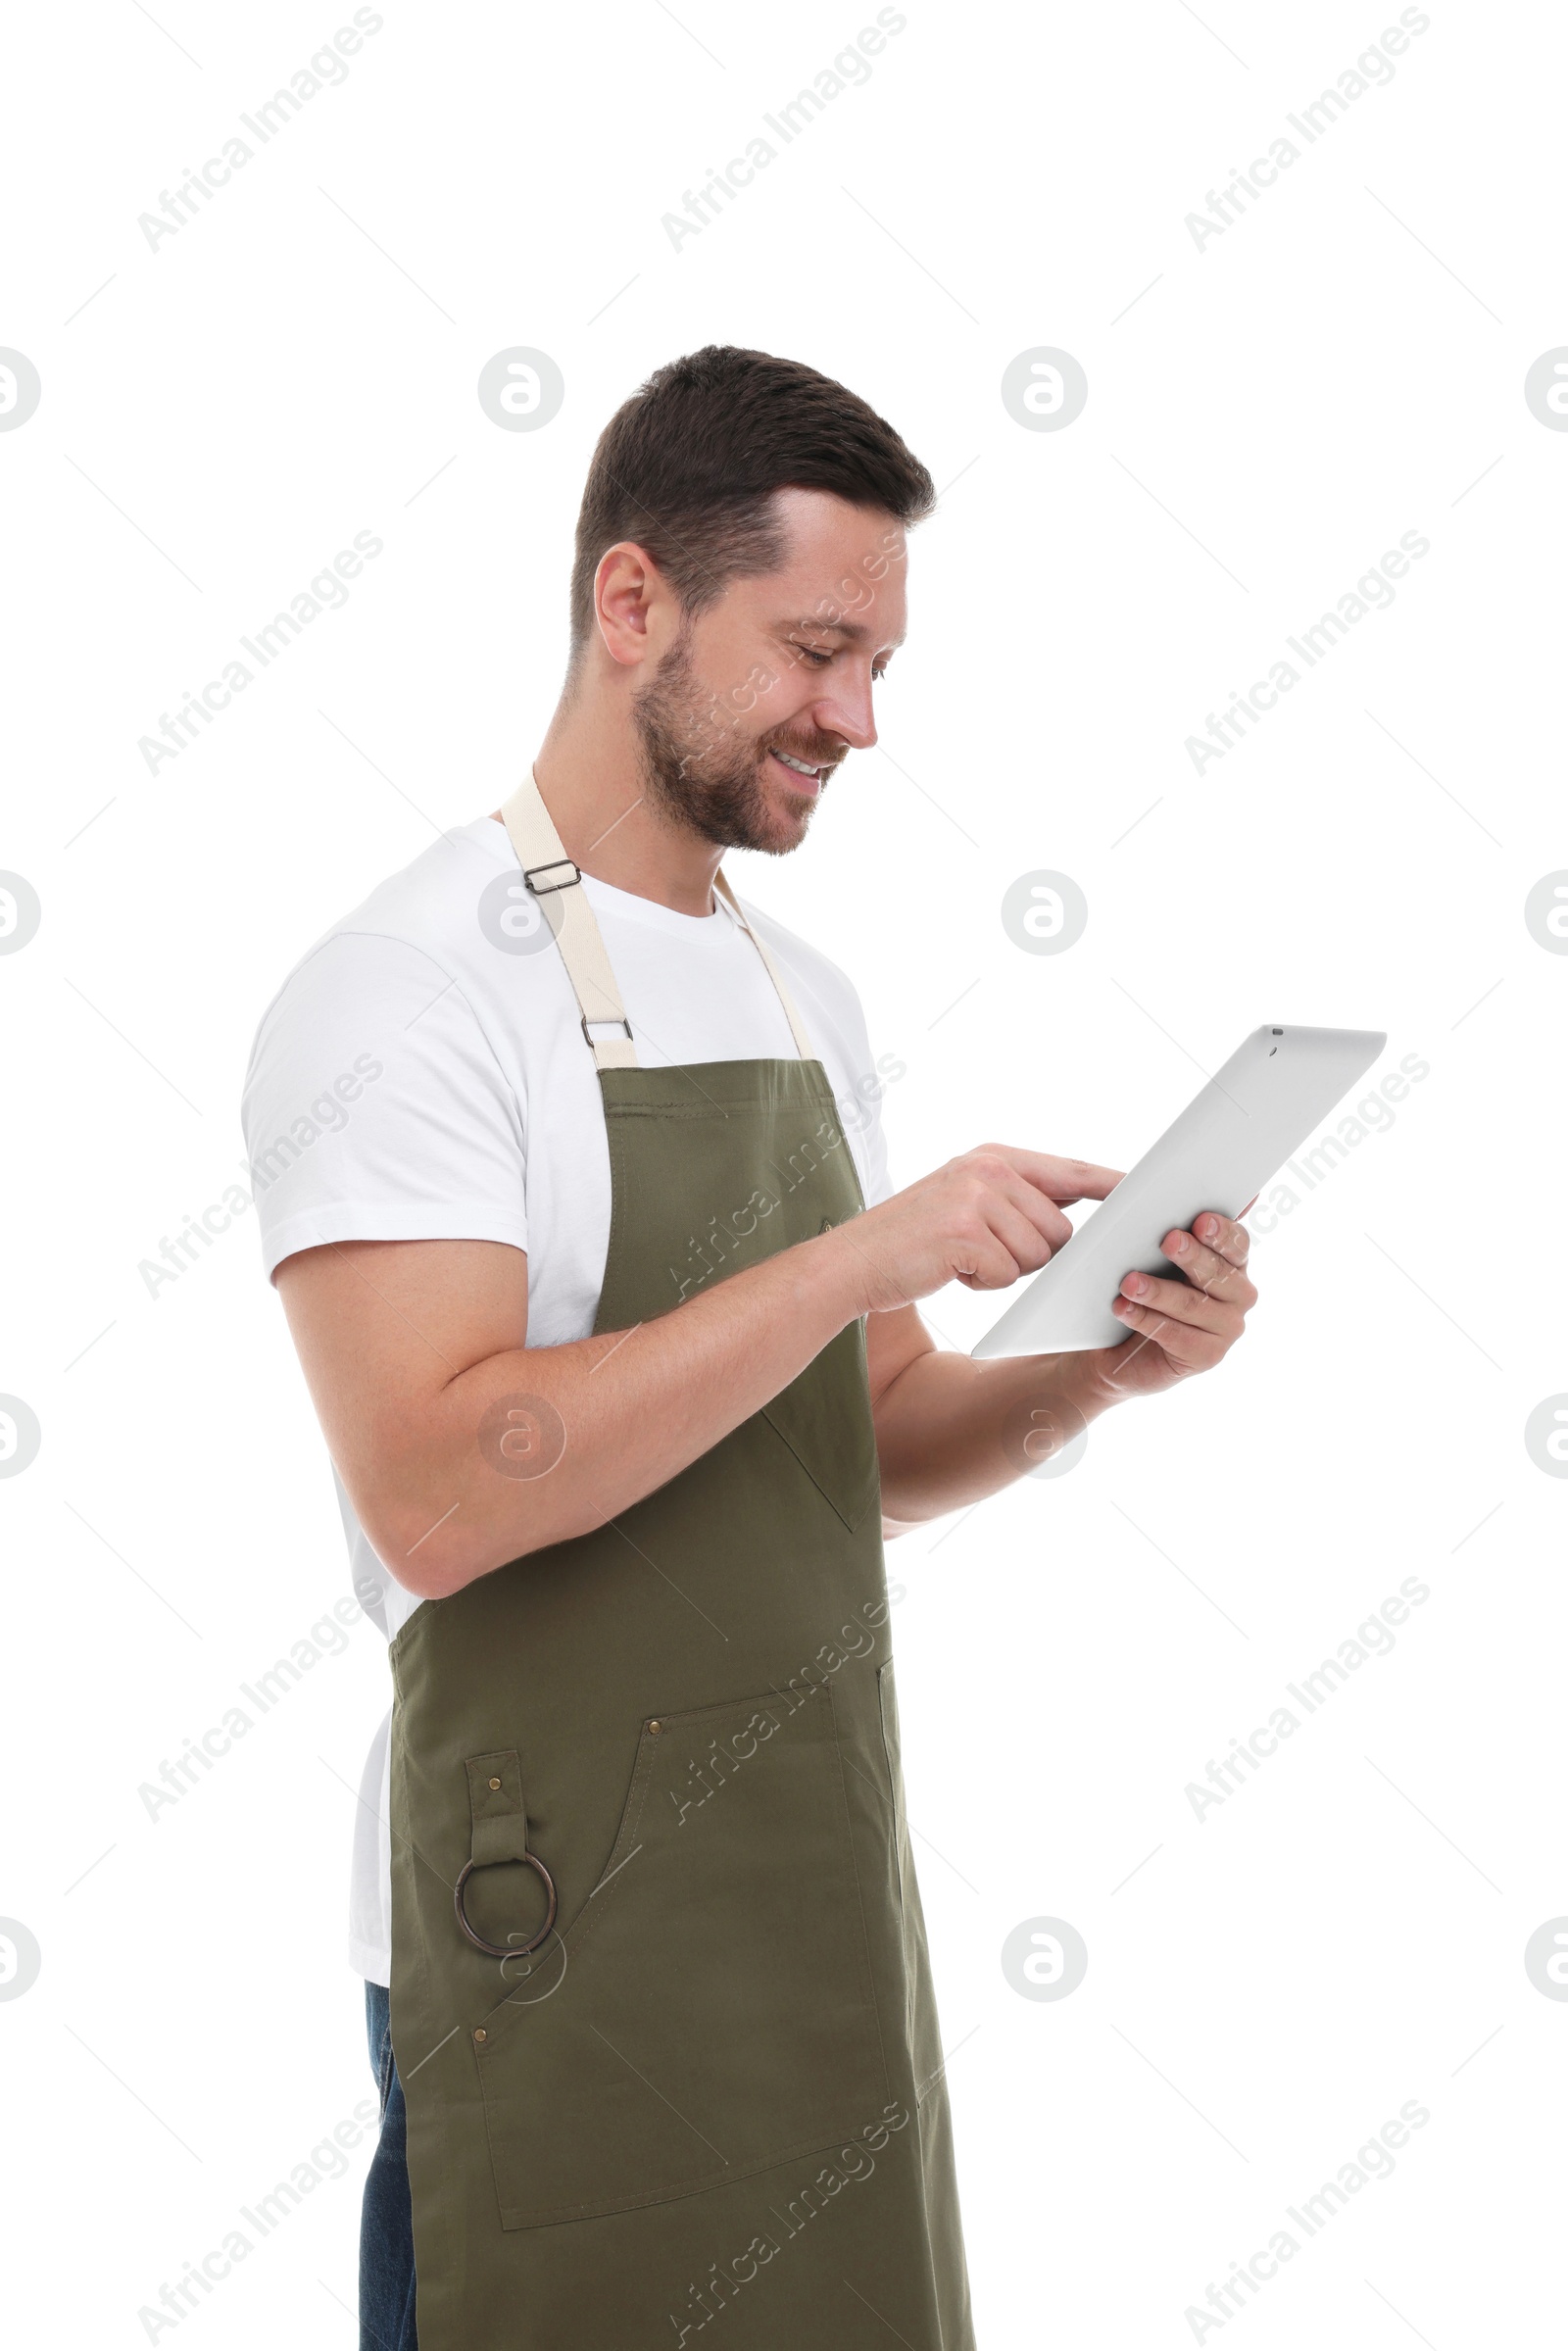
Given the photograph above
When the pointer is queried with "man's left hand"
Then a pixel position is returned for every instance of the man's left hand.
(1179, 1327)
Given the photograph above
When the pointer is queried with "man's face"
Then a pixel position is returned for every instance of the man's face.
(759, 701)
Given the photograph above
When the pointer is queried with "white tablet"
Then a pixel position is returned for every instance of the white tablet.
(1220, 1152)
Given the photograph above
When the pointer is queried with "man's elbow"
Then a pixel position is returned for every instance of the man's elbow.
(431, 1552)
(430, 1557)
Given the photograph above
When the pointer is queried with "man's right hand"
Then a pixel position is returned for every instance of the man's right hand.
(983, 1220)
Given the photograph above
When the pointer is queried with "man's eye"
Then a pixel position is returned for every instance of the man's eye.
(813, 653)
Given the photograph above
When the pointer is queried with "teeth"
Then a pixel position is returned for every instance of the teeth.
(799, 765)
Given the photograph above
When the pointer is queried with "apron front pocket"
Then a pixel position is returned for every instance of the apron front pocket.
(709, 2011)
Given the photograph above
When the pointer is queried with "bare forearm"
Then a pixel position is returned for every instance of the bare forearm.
(462, 1448)
(950, 1430)
(536, 1444)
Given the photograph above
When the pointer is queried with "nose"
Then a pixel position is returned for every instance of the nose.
(847, 711)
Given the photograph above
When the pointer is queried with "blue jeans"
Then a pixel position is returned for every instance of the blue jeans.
(387, 2224)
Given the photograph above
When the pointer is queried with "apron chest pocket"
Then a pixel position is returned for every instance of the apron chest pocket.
(709, 2011)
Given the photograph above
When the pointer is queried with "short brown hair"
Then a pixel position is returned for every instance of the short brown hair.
(689, 465)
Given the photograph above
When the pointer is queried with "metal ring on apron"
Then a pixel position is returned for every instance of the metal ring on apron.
(504, 1951)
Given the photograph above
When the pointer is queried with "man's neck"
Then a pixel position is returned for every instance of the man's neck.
(590, 777)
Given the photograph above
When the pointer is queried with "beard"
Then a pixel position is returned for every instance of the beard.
(700, 771)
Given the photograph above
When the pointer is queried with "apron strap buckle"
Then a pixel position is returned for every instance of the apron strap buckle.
(552, 866)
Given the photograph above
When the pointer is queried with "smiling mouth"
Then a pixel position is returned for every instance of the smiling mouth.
(804, 775)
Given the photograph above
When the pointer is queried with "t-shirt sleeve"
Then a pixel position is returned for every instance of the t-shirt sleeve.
(880, 1183)
(374, 1108)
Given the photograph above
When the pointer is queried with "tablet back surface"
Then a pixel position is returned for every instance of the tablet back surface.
(1254, 1111)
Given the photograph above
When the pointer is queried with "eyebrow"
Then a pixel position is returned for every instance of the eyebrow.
(845, 629)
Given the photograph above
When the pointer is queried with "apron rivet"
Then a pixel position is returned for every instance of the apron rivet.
(654, 1730)
(480, 2032)
(495, 1783)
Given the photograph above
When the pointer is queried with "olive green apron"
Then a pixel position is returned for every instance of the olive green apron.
(712, 2090)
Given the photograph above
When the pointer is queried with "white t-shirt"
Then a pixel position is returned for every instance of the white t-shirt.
(422, 1075)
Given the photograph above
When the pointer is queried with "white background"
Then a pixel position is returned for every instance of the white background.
(1266, 415)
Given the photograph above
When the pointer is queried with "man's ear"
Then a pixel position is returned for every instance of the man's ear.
(628, 589)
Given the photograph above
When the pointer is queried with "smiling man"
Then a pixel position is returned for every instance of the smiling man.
(608, 1309)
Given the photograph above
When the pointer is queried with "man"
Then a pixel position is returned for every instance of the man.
(608, 1309)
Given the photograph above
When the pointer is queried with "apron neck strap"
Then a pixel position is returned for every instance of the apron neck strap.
(557, 880)
(554, 879)
(803, 1043)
